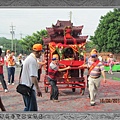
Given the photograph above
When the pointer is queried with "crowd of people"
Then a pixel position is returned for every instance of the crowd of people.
(10, 62)
(31, 71)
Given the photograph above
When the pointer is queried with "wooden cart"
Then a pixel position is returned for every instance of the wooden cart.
(64, 41)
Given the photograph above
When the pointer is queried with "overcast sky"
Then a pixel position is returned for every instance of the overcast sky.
(27, 21)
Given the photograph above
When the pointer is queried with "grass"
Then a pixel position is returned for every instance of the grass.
(115, 78)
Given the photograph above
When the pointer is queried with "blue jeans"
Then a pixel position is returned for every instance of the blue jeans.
(11, 73)
(30, 102)
(54, 89)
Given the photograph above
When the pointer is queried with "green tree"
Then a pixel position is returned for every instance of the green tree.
(28, 41)
(5, 43)
(107, 34)
(90, 45)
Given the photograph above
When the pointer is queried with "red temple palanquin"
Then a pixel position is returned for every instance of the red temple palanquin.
(67, 41)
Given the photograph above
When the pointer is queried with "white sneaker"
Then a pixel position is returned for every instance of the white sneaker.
(6, 90)
(8, 83)
(111, 73)
(12, 83)
(0, 83)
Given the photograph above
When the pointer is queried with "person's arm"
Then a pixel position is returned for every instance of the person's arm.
(102, 69)
(14, 59)
(35, 82)
(60, 64)
(83, 66)
(42, 63)
(64, 69)
(2, 62)
(104, 76)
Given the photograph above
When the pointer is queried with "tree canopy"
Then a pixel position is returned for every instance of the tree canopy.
(107, 34)
(28, 41)
(25, 44)
(5, 44)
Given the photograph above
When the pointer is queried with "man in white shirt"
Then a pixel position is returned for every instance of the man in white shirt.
(29, 76)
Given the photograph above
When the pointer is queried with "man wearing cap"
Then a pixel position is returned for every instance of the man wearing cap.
(29, 77)
(52, 74)
(96, 68)
(93, 51)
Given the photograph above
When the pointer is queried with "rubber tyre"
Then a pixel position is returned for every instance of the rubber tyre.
(73, 89)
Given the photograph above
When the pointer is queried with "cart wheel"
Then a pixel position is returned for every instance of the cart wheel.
(73, 89)
(46, 89)
(82, 91)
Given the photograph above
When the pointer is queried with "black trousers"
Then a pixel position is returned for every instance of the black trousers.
(39, 73)
(2, 106)
(3, 81)
(54, 89)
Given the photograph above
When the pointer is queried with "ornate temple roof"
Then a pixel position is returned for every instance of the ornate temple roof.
(63, 23)
(56, 33)
(59, 39)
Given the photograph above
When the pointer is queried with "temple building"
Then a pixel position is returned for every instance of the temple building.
(64, 32)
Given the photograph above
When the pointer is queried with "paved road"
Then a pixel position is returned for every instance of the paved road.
(115, 76)
(69, 101)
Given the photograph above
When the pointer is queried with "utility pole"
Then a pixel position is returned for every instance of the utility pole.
(70, 15)
(15, 45)
(12, 32)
